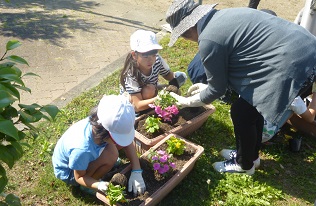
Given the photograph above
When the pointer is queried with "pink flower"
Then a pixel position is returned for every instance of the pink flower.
(161, 152)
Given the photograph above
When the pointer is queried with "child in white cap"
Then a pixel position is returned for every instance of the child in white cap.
(89, 148)
(143, 65)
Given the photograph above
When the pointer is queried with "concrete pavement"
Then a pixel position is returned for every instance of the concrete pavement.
(73, 45)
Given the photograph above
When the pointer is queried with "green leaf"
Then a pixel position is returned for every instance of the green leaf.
(3, 179)
(10, 89)
(52, 110)
(8, 128)
(23, 88)
(17, 59)
(12, 77)
(6, 99)
(12, 44)
(25, 117)
(12, 200)
(6, 157)
(31, 74)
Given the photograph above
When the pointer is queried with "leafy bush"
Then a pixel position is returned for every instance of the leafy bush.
(16, 124)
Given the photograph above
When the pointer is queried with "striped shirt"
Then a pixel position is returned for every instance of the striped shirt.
(159, 67)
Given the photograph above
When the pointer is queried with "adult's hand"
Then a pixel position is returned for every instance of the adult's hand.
(196, 88)
(192, 101)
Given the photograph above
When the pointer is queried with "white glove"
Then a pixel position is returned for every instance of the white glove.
(192, 101)
(298, 106)
(103, 186)
(314, 88)
(196, 88)
(181, 77)
(136, 183)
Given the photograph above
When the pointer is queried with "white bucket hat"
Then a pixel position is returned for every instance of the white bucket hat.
(117, 115)
(143, 41)
(184, 14)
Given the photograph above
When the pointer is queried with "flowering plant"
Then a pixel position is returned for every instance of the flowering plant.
(165, 105)
(175, 145)
(162, 161)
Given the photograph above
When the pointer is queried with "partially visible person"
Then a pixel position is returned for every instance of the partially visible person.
(143, 65)
(266, 60)
(89, 148)
(253, 4)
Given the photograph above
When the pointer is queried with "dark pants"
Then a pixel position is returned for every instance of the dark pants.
(248, 127)
(253, 4)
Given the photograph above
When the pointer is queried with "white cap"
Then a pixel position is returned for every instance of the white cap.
(143, 41)
(117, 115)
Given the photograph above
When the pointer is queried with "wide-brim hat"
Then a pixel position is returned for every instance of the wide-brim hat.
(117, 115)
(184, 14)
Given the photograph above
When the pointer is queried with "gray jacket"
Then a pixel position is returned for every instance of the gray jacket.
(264, 58)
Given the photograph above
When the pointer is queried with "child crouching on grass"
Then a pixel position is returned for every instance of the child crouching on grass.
(89, 148)
(143, 65)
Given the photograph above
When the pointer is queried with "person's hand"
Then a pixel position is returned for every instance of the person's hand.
(136, 183)
(192, 101)
(103, 186)
(314, 88)
(181, 77)
(196, 88)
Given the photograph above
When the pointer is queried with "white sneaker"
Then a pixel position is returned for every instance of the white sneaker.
(232, 166)
(230, 154)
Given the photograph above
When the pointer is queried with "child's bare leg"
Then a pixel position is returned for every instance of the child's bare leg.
(104, 163)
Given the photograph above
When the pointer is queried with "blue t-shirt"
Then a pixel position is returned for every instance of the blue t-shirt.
(75, 150)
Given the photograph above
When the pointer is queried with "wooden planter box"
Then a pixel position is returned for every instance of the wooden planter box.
(163, 191)
(142, 143)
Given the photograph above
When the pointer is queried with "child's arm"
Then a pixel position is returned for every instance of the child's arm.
(309, 114)
(139, 103)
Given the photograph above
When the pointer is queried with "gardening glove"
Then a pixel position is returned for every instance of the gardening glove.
(103, 186)
(179, 79)
(192, 101)
(196, 88)
(136, 182)
(314, 88)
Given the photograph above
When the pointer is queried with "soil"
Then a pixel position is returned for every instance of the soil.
(154, 180)
(183, 116)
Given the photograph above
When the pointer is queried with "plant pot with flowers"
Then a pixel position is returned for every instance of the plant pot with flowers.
(167, 118)
(164, 167)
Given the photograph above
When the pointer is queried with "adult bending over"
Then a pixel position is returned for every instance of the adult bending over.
(267, 60)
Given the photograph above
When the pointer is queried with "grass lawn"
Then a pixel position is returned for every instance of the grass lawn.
(284, 178)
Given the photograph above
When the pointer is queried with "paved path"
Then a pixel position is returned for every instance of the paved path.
(69, 42)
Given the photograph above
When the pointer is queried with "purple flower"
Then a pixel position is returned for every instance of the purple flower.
(154, 158)
(161, 170)
(156, 166)
(172, 164)
(166, 168)
(164, 158)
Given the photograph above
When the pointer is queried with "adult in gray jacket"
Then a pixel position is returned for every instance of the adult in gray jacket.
(267, 60)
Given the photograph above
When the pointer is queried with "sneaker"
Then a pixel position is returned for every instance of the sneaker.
(88, 190)
(232, 166)
(232, 154)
